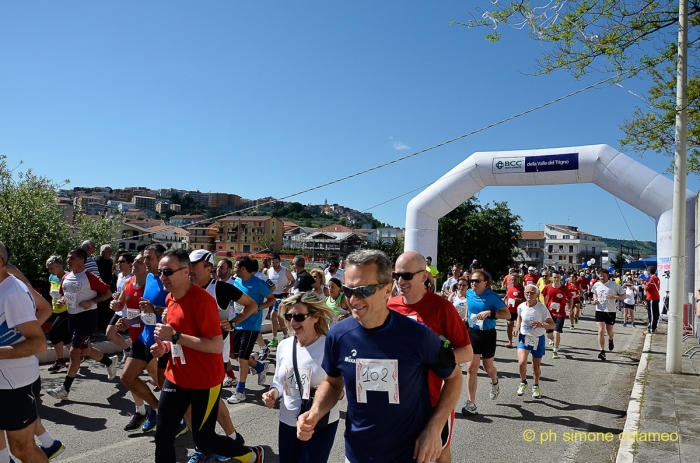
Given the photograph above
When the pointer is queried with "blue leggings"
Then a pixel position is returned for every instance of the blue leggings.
(315, 450)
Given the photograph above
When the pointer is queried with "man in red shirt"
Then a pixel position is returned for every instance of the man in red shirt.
(195, 371)
(435, 312)
(514, 297)
(651, 288)
(556, 297)
(532, 277)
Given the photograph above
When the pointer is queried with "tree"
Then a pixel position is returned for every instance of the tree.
(487, 233)
(392, 248)
(101, 230)
(618, 262)
(621, 37)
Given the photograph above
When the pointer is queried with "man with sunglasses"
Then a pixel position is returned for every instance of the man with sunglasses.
(382, 357)
(435, 312)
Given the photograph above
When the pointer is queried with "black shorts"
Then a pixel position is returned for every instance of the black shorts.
(19, 406)
(558, 325)
(81, 326)
(483, 342)
(607, 317)
(629, 306)
(59, 331)
(115, 319)
(140, 351)
(513, 316)
(243, 343)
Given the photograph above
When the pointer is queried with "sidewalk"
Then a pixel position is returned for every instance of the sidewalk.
(663, 418)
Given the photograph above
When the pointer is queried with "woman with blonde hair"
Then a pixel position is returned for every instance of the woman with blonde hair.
(299, 361)
(319, 285)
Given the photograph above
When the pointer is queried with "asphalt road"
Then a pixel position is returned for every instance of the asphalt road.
(579, 393)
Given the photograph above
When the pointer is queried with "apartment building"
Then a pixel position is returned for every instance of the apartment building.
(567, 246)
(249, 234)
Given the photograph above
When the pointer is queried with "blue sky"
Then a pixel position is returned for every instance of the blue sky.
(270, 98)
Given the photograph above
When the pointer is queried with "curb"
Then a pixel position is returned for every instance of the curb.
(108, 347)
(634, 409)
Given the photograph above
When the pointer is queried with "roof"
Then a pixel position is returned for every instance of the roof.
(532, 235)
(340, 236)
(187, 216)
(176, 230)
(567, 228)
(247, 217)
(148, 223)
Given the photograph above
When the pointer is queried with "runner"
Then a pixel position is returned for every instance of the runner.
(59, 334)
(630, 299)
(458, 299)
(533, 320)
(651, 287)
(556, 298)
(264, 350)
(605, 293)
(576, 292)
(383, 425)
(195, 370)
(124, 262)
(284, 282)
(513, 298)
(483, 308)
(426, 307)
(337, 301)
(81, 291)
(531, 277)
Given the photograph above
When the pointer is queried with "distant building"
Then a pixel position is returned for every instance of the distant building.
(175, 207)
(249, 234)
(531, 245)
(568, 246)
(202, 236)
(171, 237)
(144, 202)
(182, 220)
(132, 235)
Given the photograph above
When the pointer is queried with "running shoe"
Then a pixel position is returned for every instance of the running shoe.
(469, 408)
(199, 457)
(125, 354)
(55, 450)
(182, 429)
(611, 345)
(550, 342)
(576, 320)
(624, 324)
(273, 342)
(150, 423)
(221, 458)
(555, 355)
(262, 376)
(259, 453)
(495, 390)
(571, 327)
(536, 391)
(229, 382)
(136, 421)
(236, 397)
(264, 353)
(521, 388)
(58, 364)
(633, 325)
(239, 438)
(602, 355)
(112, 369)
(58, 393)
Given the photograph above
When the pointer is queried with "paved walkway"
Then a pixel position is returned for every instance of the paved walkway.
(663, 403)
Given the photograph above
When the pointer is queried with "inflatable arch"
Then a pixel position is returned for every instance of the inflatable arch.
(616, 173)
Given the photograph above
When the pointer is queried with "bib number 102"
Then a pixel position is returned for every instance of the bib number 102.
(378, 375)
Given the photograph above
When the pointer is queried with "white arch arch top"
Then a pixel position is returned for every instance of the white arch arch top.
(616, 173)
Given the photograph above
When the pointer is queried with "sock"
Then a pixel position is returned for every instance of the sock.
(555, 348)
(105, 361)
(4, 455)
(233, 436)
(241, 387)
(535, 385)
(259, 367)
(141, 409)
(46, 440)
(231, 374)
(523, 382)
(68, 382)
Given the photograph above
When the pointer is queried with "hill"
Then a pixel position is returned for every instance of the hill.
(647, 248)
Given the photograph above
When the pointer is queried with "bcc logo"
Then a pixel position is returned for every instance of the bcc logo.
(509, 164)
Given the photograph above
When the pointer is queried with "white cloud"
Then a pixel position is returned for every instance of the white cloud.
(398, 145)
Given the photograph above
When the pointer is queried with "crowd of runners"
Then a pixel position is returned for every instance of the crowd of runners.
(346, 332)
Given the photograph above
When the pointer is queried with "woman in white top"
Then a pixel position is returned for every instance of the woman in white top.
(459, 297)
(319, 285)
(309, 317)
(533, 320)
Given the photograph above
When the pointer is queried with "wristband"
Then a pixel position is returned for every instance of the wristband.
(493, 315)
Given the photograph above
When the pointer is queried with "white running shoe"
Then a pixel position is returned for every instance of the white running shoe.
(112, 369)
(262, 376)
(58, 393)
(495, 390)
(236, 398)
(229, 382)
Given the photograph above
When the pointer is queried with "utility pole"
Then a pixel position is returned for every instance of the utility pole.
(675, 313)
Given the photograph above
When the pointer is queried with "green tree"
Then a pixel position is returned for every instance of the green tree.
(101, 230)
(625, 37)
(392, 248)
(618, 262)
(487, 233)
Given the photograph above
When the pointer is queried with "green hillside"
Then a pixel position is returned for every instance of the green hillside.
(647, 248)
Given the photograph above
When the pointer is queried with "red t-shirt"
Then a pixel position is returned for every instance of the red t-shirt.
(195, 314)
(653, 286)
(574, 289)
(132, 296)
(514, 297)
(556, 300)
(527, 279)
(439, 315)
(583, 283)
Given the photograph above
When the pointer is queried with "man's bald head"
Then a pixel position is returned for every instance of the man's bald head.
(88, 246)
(412, 259)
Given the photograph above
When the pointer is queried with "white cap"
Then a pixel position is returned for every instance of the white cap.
(201, 255)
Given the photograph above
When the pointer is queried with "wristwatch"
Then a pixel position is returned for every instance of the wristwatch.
(156, 308)
(176, 337)
(232, 323)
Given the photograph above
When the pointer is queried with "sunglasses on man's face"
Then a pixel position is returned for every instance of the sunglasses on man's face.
(405, 275)
(122, 262)
(169, 272)
(361, 292)
(476, 281)
(297, 317)
(530, 293)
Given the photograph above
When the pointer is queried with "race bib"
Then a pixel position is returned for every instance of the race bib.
(290, 382)
(554, 306)
(177, 352)
(133, 313)
(475, 322)
(532, 341)
(377, 375)
(148, 318)
(55, 294)
(238, 308)
(511, 302)
(71, 303)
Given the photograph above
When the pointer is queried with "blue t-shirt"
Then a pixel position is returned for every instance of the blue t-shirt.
(488, 300)
(384, 426)
(258, 291)
(155, 294)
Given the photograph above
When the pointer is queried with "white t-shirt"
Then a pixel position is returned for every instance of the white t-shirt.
(16, 307)
(602, 291)
(460, 305)
(339, 274)
(309, 359)
(538, 313)
(629, 296)
(120, 283)
(80, 287)
(451, 281)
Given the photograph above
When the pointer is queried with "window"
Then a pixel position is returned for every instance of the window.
(571, 259)
(550, 257)
(551, 248)
(561, 248)
(571, 248)
(561, 257)
(567, 237)
(593, 248)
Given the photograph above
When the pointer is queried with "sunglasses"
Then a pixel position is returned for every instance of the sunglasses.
(362, 292)
(529, 293)
(122, 262)
(169, 272)
(298, 317)
(405, 275)
(476, 281)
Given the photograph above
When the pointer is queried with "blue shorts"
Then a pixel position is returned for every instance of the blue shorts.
(278, 299)
(536, 353)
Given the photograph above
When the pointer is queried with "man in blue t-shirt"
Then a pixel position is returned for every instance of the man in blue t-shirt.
(382, 358)
(246, 331)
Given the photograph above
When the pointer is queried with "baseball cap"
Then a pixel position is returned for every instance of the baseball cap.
(531, 268)
(201, 255)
